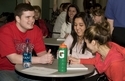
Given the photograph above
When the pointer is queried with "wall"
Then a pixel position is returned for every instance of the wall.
(63, 1)
(7, 5)
(103, 2)
(46, 9)
(80, 5)
(19, 1)
(38, 2)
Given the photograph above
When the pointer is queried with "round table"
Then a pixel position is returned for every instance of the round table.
(69, 73)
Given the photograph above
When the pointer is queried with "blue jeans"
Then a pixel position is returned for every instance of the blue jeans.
(7, 75)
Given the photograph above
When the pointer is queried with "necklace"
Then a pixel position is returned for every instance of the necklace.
(78, 48)
(79, 45)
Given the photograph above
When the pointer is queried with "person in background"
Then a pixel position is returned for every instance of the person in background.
(89, 15)
(56, 12)
(109, 56)
(98, 16)
(40, 22)
(61, 7)
(66, 26)
(93, 9)
(60, 20)
(13, 36)
(6, 17)
(87, 4)
(115, 14)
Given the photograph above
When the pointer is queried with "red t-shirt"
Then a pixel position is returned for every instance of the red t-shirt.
(12, 41)
(113, 65)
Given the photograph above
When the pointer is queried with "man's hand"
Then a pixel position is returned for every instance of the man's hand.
(47, 58)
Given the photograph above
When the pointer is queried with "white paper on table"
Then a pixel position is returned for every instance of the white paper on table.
(60, 39)
(76, 67)
(40, 70)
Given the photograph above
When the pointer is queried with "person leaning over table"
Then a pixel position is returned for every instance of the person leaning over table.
(13, 36)
(75, 42)
(109, 56)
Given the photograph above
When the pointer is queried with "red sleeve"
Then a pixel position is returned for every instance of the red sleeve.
(6, 42)
(88, 61)
(117, 71)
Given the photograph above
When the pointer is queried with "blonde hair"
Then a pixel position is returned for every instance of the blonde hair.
(37, 8)
(99, 12)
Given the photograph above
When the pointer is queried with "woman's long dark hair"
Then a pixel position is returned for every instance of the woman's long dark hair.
(67, 15)
(83, 16)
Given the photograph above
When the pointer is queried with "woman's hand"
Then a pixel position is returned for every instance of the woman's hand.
(73, 60)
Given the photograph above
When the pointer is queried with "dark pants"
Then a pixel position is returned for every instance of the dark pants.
(97, 77)
(118, 36)
(92, 78)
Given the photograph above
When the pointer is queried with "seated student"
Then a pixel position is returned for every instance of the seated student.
(75, 42)
(60, 20)
(40, 22)
(13, 36)
(55, 12)
(109, 57)
(66, 26)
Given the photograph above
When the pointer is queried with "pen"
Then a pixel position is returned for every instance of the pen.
(69, 62)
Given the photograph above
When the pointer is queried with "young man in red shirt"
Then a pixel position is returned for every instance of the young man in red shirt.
(13, 36)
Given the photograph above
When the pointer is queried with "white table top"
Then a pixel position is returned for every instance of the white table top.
(52, 41)
(69, 73)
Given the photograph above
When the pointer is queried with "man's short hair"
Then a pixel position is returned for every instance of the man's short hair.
(20, 8)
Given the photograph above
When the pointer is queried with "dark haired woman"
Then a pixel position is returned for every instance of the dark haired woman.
(66, 26)
(109, 57)
(75, 41)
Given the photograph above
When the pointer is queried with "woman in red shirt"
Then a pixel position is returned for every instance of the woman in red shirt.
(40, 22)
(109, 57)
